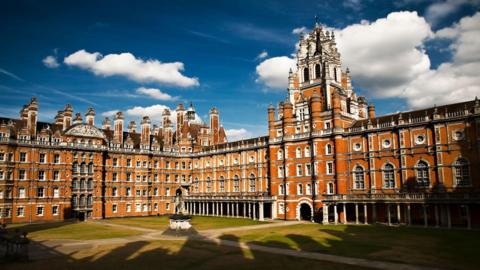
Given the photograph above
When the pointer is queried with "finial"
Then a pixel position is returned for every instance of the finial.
(316, 21)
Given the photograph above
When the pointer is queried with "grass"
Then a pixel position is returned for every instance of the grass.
(173, 255)
(453, 249)
(73, 230)
(198, 222)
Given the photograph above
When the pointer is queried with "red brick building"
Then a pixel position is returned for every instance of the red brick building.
(327, 157)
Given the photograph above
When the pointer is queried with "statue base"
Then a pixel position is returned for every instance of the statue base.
(180, 226)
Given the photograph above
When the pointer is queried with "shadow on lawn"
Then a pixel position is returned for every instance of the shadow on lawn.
(166, 254)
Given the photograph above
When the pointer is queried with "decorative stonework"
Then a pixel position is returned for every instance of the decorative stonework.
(84, 130)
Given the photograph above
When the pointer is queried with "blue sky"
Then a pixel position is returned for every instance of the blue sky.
(218, 43)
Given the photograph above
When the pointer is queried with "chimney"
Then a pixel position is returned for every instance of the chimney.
(271, 120)
(371, 111)
(180, 116)
(132, 127)
(106, 124)
(118, 128)
(90, 116)
(145, 130)
(78, 119)
(67, 116)
(214, 125)
(59, 118)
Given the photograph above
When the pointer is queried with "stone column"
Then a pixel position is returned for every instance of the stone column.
(425, 217)
(365, 214)
(409, 212)
(325, 214)
(237, 213)
(244, 210)
(389, 215)
(335, 214)
(194, 208)
(260, 211)
(228, 209)
(356, 213)
(398, 213)
(254, 211)
(344, 213)
(250, 210)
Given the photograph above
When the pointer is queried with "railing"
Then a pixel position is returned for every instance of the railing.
(405, 197)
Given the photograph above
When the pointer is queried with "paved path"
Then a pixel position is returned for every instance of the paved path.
(51, 248)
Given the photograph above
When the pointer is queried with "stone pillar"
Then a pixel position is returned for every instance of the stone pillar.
(437, 217)
(237, 213)
(398, 213)
(254, 211)
(335, 214)
(244, 210)
(228, 209)
(344, 213)
(325, 214)
(449, 217)
(365, 214)
(260, 211)
(469, 221)
(425, 217)
(389, 215)
(194, 208)
(409, 212)
(356, 213)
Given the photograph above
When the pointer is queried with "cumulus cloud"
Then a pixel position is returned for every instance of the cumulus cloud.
(109, 113)
(299, 30)
(237, 134)
(454, 81)
(136, 69)
(155, 94)
(273, 72)
(386, 54)
(155, 113)
(262, 55)
(50, 61)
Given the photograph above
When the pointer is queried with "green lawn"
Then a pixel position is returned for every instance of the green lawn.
(198, 222)
(172, 255)
(453, 249)
(72, 230)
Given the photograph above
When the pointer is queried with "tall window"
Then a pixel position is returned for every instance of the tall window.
(330, 188)
(195, 185)
(280, 154)
(423, 178)
(462, 172)
(300, 189)
(359, 177)
(306, 75)
(251, 183)
(236, 184)
(317, 71)
(307, 151)
(209, 184)
(328, 149)
(222, 184)
(298, 152)
(388, 176)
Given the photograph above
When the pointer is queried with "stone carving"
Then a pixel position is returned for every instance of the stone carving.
(84, 130)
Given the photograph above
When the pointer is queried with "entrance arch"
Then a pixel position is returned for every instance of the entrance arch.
(305, 211)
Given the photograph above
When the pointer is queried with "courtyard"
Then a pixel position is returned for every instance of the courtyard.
(140, 243)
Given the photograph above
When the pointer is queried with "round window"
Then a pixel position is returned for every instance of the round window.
(357, 147)
(420, 139)
(387, 143)
(458, 135)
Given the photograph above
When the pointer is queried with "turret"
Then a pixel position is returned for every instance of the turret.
(371, 111)
(118, 128)
(59, 118)
(67, 116)
(78, 119)
(132, 127)
(288, 120)
(271, 121)
(90, 116)
(214, 125)
(106, 124)
(32, 117)
(180, 118)
(145, 140)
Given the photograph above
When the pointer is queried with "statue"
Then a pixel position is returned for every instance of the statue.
(180, 221)
(179, 203)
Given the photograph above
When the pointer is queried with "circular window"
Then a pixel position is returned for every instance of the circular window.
(420, 139)
(387, 143)
(357, 147)
(458, 135)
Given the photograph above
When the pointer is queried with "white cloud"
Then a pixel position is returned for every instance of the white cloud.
(137, 69)
(155, 93)
(109, 113)
(154, 112)
(262, 55)
(385, 55)
(237, 134)
(454, 81)
(299, 30)
(439, 10)
(273, 72)
(50, 61)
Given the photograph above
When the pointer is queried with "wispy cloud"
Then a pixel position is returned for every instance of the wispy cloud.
(262, 55)
(208, 36)
(50, 61)
(155, 94)
(253, 32)
(11, 75)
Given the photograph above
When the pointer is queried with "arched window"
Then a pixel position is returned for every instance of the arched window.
(82, 183)
(90, 201)
(423, 178)
(236, 184)
(82, 201)
(307, 151)
(74, 201)
(462, 172)
(306, 75)
(90, 168)
(298, 152)
(75, 183)
(251, 183)
(359, 177)
(90, 184)
(330, 188)
(300, 189)
(328, 149)
(209, 184)
(280, 154)
(388, 176)
(75, 167)
(195, 184)
(309, 189)
(83, 168)
(317, 71)
(222, 184)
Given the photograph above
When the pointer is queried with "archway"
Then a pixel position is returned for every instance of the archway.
(305, 212)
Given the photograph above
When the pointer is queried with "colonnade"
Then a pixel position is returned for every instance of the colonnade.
(424, 214)
(253, 210)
